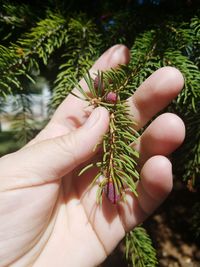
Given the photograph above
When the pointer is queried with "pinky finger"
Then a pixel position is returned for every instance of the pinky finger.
(155, 185)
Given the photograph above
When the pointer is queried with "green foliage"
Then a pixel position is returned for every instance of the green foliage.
(82, 48)
(23, 120)
(190, 94)
(14, 15)
(8, 143)
(187, 105)
(20, 59)
(48, 35)
(143, 57)
(6, 82)
(195, 26)
(139, 249)
(188, 166)
(195, 22)
(148, 53)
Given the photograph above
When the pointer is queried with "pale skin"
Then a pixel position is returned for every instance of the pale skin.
(47, 216)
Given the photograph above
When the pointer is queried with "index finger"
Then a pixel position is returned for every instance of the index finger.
(73, 107)
(71, 114)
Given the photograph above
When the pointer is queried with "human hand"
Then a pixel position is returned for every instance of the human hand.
(46, 216)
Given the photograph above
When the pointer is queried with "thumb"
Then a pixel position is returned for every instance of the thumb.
(53, 158)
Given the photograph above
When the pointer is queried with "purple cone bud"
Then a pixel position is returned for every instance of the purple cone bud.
(111, 193)
(96, 83)
(111, 98)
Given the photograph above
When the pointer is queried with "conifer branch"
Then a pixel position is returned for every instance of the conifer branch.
(139, 250)
(17, 61)
(190, 94)
(187, 106)
(144, 58)
(117, 169)
(48, 35)
(82, 49)
(15, 15)
(23, 121)
(195, 26)
(188, 166)
(179, 35)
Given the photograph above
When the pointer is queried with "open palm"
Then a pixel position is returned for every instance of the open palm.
(47, 216)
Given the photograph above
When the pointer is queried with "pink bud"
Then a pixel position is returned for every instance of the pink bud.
(96, 84)
(111, 193)
(111, 97)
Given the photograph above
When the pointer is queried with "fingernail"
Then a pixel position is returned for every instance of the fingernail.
(94, 117)
(121, 54)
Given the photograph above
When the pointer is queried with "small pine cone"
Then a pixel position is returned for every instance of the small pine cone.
(96, 83)
(111, 97)
(111, 193)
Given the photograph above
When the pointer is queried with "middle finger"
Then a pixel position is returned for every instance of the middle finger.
(164, 135)
(154, 94)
